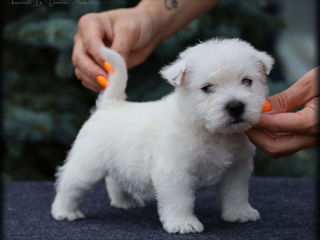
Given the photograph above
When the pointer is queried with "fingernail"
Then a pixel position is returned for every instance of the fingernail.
(108, 66)
(102, 80)
(266, 107)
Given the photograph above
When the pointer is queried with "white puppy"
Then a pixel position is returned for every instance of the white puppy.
(168, 149)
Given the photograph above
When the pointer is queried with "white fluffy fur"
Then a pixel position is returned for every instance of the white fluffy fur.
(170, 148)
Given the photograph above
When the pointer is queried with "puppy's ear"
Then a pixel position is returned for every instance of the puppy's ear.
(265, 62)
(175, 72)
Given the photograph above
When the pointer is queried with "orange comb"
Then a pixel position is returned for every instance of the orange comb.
(266, 107)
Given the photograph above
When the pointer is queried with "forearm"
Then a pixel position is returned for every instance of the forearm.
(169, 16)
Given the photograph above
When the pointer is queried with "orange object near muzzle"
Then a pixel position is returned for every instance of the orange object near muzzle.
(266, 107)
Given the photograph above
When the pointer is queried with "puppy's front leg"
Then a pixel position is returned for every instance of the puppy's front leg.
(233, 193)
(175, 198)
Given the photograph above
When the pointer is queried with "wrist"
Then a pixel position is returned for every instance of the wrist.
(168, 18)
(158, 16)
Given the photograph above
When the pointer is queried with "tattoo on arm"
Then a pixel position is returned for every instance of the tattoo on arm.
(170, 4)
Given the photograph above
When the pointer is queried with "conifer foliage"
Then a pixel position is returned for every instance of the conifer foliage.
(44, 105)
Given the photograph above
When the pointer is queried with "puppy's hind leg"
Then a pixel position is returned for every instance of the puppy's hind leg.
(75, 178)
(120, 198)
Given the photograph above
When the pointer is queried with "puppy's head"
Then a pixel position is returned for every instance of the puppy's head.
(220, 83)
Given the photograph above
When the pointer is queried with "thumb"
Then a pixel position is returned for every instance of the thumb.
(285, 101)
(297, 95)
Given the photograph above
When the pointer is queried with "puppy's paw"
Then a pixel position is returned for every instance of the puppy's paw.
(183, 225)
(66, 215)
(243, 214)
(127, 203)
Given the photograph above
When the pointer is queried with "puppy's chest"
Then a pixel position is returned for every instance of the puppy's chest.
(211, 157)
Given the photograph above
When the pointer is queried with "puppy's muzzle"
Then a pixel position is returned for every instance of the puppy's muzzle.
(235, 109)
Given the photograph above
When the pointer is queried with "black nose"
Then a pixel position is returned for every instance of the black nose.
(235, 108)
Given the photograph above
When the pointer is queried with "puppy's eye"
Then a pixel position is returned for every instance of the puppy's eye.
(247, 82)
(208, 88)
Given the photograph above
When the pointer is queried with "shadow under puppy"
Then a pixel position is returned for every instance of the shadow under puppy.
(167, 149)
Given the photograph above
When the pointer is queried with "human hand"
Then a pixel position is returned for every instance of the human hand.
(131, 32)
(280, 132)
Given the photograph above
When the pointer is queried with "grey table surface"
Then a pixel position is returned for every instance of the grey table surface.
(287, 207)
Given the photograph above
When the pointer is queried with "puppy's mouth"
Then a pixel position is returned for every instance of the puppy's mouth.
(236, 121)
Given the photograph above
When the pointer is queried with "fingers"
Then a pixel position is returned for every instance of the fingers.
(92, 34)
(277, 146)
(87, 68)
(296, 95)
(286, 100)
(303, 92)
(87, 81)
(282, 122)
(302, 122)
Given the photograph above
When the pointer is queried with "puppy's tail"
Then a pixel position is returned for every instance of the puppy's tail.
(115, 91)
